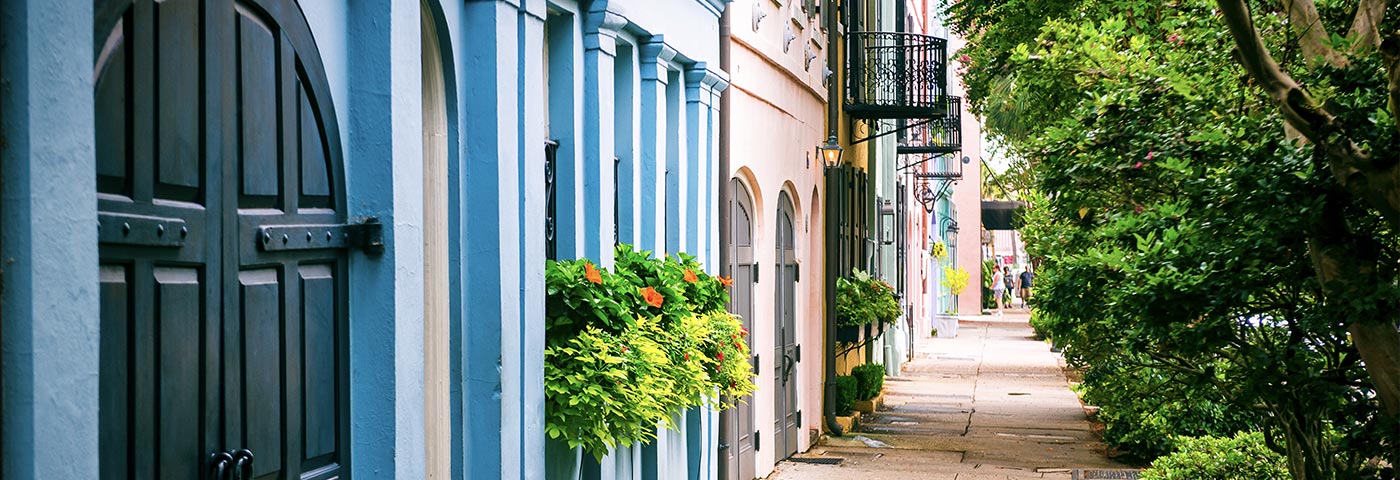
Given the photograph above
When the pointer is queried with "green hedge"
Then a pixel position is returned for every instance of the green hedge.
(845, 394)
(1244, 457)
(870, 379)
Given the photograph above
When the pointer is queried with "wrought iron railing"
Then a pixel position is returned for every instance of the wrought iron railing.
(936, 136)
(896, 75)
(551, 209)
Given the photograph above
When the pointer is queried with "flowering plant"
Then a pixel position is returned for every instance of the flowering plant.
(864, 299)
(938, 250)
(628, 349)
(955, 279)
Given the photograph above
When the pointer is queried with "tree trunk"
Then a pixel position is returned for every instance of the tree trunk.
(1306, 447)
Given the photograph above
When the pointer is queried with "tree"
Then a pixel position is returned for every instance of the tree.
(1352, 123)
(1161, 178)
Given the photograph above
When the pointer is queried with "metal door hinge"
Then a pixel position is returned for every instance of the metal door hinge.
(141, 230)
(799, 417)
(755, 273)
(798, 353)
(368, 235)
(797, 272)
(757, 436)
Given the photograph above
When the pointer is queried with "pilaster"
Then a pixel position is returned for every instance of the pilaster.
(50, 295)
(599, 123)
(655, 59)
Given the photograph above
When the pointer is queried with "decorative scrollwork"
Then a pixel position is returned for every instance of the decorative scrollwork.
(897, 75)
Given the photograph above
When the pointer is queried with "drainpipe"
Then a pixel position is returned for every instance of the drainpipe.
(722, 170)
(833, 112)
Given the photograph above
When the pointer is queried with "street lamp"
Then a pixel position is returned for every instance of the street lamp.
(927, 197)
(831, 152)
(952, 233)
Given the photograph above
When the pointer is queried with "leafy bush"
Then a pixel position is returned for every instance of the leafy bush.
(1244, 457)
(870, 380)
(864, 299)
(845, 394)
(628, 349)
(988, 301)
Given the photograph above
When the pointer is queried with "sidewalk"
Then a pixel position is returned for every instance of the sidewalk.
(992, 403)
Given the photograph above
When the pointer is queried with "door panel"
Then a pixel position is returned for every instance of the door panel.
(785, 426)
(737, 453)
(179, 293)
(213, 121)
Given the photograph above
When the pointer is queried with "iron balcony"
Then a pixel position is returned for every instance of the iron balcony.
(936, 136)
(896, 75)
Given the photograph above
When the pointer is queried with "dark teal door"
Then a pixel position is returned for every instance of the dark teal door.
(785, 354)
(221, 195)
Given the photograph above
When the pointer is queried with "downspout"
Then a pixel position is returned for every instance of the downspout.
(722, 170)
(833, 113)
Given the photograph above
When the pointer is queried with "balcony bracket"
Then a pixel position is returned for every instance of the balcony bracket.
(877, 133)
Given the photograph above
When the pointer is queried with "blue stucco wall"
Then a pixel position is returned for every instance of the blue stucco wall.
(372, 54)
(49, 241)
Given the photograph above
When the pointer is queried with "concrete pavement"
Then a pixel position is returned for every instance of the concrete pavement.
(992, 403)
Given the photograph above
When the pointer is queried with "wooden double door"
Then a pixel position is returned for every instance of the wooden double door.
(223, 244)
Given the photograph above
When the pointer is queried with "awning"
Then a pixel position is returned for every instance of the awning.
(999, 215)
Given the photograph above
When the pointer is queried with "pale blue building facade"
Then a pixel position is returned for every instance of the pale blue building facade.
(436, 119)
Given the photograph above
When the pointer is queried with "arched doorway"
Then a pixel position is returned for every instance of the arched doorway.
(785, 354)
(437, 331)
(223, 244)
(736, 449)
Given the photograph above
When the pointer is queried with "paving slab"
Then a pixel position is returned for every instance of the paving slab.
(992, 403)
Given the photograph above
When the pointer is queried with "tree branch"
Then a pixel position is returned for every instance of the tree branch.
(1365, 34)
(1299, 110)
(1312, 34)
(1390, 53)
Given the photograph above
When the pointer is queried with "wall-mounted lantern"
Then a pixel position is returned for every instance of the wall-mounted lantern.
(831, 152)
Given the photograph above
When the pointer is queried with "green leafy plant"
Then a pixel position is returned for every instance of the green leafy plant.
(628, 349)
(870, 380)
(864, 299)
(1243, 457)
(845, 394)
(988, 300)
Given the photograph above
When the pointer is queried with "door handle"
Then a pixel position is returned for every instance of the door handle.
(787, 366)
(218, 464)
(243, 462)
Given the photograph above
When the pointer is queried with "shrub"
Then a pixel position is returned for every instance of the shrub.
(988, 301)
(1244, 457)
(870, 379)
(845, 394)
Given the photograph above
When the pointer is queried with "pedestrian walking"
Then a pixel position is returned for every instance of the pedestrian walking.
(998, 287)
(1026, 278)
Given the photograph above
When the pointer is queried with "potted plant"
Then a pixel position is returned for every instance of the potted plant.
(863, 301)
(955, 280)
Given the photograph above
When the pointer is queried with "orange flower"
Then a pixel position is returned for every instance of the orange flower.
(690, 276)
(651, 296)
(726, 281)
(592, 274)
